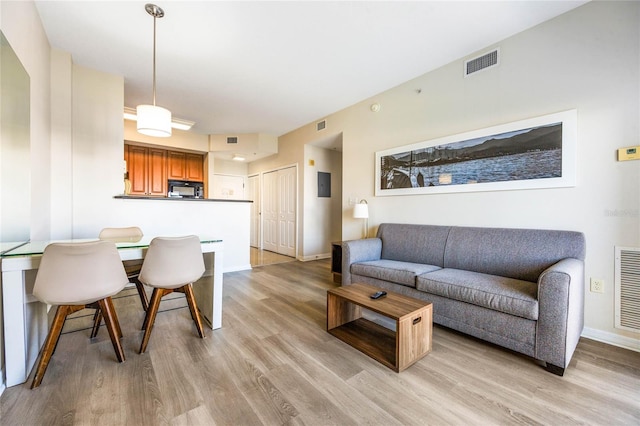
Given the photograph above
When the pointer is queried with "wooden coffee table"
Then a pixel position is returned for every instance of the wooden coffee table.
(397, 350)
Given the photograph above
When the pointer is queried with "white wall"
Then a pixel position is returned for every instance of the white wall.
(61, 145)
(235, 168)
(587, 59)
(20, 23)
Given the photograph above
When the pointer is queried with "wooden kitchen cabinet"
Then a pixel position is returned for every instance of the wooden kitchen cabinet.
(176, 165)
(147, 169)
(195, 167)
(185, 166)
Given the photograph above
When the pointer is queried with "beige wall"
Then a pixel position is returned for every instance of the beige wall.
(322, 216)
(587, 59)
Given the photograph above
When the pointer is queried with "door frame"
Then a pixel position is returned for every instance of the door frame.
(256, 204)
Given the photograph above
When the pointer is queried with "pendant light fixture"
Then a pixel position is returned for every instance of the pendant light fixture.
(154, 120)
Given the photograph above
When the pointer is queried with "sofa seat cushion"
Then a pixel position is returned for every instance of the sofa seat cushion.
(394, 271)
(508, 295)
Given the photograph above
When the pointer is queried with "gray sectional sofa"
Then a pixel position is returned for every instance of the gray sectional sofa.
(522, 289)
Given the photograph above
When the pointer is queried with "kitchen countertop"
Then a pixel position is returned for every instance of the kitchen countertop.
(144, 197)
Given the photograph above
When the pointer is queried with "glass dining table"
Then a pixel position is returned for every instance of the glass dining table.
(25, 318)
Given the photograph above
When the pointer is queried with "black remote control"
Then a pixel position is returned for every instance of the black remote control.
(378, 294)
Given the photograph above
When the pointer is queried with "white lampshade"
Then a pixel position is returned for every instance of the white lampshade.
(361, 211)
(154, 121)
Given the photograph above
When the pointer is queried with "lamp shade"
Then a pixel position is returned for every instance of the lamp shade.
(154, 121)
(361, 211)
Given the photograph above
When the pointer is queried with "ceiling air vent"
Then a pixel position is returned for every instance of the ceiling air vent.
(232, 139)
(321, 125)
(480, 63)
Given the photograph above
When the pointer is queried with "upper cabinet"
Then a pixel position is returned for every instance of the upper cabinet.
(185, 166)
(177, 168)
(150, 168)
(147, 169)
(195, 167)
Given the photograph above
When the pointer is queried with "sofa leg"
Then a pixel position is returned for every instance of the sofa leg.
(558, 371)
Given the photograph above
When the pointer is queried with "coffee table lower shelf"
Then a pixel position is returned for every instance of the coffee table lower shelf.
(397, 349)
(369, 338)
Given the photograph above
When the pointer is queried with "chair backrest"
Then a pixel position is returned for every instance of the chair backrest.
(172, 262)
(117, 235)
(79, 273)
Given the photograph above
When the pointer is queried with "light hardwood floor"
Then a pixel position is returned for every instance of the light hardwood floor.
(273, 363)
(263, 257)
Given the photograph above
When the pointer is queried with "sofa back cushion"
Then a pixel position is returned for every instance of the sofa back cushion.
(515, 253)
(414, 243)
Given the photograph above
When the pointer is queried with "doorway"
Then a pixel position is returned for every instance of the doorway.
(279, 212)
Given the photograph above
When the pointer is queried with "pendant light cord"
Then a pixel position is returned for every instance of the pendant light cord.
(156, 12)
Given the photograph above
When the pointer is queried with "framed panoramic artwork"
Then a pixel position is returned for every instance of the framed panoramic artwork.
(538, 152)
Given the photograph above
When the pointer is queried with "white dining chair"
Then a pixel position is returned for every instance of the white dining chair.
(75, 276)
(171, 264)
(128, 234)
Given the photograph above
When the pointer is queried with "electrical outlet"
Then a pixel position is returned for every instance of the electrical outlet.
(597, 285)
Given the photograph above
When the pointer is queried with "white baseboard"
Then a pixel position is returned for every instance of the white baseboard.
(3, 384)
(612, 339)
(314, 257)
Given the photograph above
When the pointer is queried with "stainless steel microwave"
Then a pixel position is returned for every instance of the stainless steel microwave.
(185, 189)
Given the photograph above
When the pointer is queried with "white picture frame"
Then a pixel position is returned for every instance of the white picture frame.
(533, 153)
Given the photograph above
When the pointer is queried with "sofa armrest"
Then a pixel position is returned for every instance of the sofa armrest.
(358, 251)
(561, 312)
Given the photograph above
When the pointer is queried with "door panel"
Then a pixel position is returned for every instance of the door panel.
(287, 211)
(270, 212)
(157, 172)
(137, 167)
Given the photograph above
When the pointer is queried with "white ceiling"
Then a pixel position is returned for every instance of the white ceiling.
(271, 67)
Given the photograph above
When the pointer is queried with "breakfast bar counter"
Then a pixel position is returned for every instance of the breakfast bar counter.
(147, 197)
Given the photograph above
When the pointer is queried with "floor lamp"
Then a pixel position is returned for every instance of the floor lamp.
(361, 211)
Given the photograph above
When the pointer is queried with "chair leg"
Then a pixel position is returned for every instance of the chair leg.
(195, 314)
(143, 294)
(150, 318)
(111, 321)
(97, 319)
(113, 309)
(51, 342)
(157, 293)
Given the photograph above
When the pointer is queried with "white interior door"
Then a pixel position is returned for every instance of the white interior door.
(287, 211)
(229, 187)
(279, 193)
(270, 211)
(253, 189)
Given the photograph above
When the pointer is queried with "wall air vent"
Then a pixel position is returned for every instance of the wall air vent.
(627, 288)
(321, 125)
(232, 139)
(480, 63)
